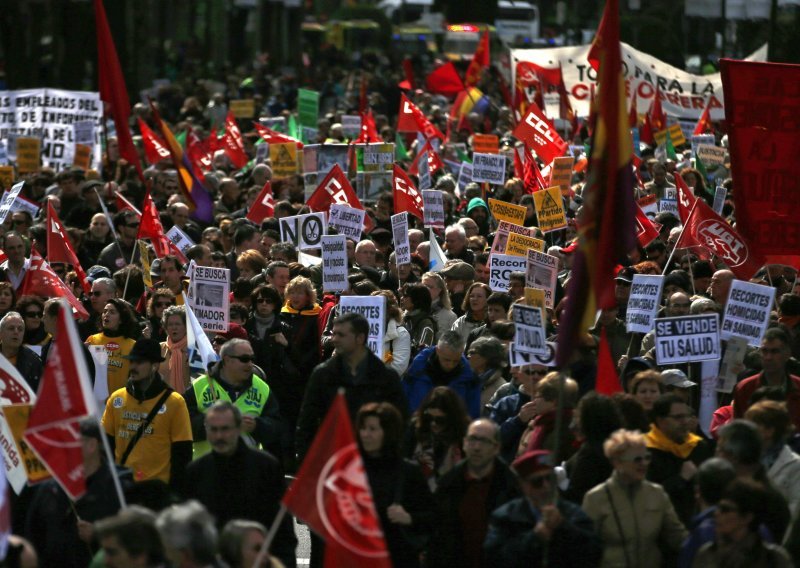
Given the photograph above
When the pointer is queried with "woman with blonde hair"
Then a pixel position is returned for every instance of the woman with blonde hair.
(175, 368)
(250, 263)
(301, 312)
(634, 517)
(396, 339)
(476, 310)
(441, 308)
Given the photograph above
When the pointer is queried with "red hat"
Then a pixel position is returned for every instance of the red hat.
(235, 331)
(532, 462)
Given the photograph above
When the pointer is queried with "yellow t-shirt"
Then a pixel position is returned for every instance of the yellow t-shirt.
(150, 458)
(116, 347)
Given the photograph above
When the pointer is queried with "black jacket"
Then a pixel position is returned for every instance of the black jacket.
(380, 384)
(247, 485)
(29, 366)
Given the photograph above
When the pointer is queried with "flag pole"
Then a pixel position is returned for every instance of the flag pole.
(273, 530)
(680, 237)
(110, 222)
(128, 278)
(112, 465)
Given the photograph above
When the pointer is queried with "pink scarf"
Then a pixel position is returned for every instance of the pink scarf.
(177, 364)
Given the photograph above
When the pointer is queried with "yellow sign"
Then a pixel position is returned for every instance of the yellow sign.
(28, 150)
(550, 209)
(486, 144)
(561, 174)
(83, 156)
(504, 211)
(243, 108)
(518, 245)
(534, 297)
(17, 418)
(284, 159)
(6, 177)
(675, 133)
(144, 254)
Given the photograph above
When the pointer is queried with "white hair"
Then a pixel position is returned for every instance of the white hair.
(456, 229)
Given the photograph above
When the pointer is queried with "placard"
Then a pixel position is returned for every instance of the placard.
(433, 208)
(464, 176)
(6, 177)
(519, 245)
(28, 150)
(489, 168)
(424, 171)
(348, 221)
(16, 416)
(747, 312)
(242, 108)
(669, 203)
(307, 107)
(732, 360)
(561, 174)
(83, 156)
(719, 199)
(329, 155)
(305, 231)
(485, 144)
(542, 273)
(84, 132)
(701, 139)
(144, 258)
(649, 205)
(14, 464)
(375, 157)
(504, 211)
(530, 335)
(22, 204)
(534, 297)
(351, 126)
(284, 159)
(209, 300)
(180, 239)
(711, 155)
(500, 268)
(687, 339)
(9, 200)
(520, 359)
(402, 248)
(504, 229)
(334, 263)
(644, 302)
(550, 212)
(374, 309)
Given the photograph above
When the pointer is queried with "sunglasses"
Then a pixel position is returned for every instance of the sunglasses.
(33, 315)
(132, 225)
(539, 480)
(163, 304)
(243, 358)
(441, 420)
(263, 301)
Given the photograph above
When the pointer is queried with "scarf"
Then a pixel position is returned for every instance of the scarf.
(657, 440)
(176, 364)
(263, 324)
(307, 311)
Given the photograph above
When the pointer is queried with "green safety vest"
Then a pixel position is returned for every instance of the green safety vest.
(252, 402)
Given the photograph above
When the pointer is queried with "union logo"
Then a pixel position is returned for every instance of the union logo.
(719, 238)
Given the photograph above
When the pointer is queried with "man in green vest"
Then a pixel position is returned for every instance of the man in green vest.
(232, 379)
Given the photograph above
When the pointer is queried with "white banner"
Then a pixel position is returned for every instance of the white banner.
(210, 289)
(8, 200)
(542, 273)
(180, 239)
(747, 312)
(500, 268)
(643, 304)
(22, 204)
(305, 231)
(530, 335)
(347, 221)
(687, 339)
(334, 263)
(402, 248)
(374, 309)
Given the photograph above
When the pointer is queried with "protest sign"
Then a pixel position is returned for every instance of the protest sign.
(424, 171)
(500, 268)
(747, 312)
(433, 208)
(210, 288)
(16, 473)
(6, 177)
(519, 245)
(305, 231)
(675, 134)
(284, 159)
(16, 416)
(561, 174)
(489, 168)
(334, 263)
(348, 221)
(276, 123)
(375, 157)
(711, 155)
(552, 105)
(649, 205)
(669, 203)
(541, 274)
(504, 211)
(530, 336)
(373, 308)
(28, 150)
(310, 159)
(242, 108)
(464, 176)
(262, 152)
(534, 297)
(643, 304)
(83, 156)
(351, 126)
(719, 199)
(550, 209)
(144, 258)
(22, 204)
(687, 339)
(402, 248)
(329, 155)
(701, 139)
(521, 359)
(504, 229)
(83, 132)
(308, 134)
(307, 108)
(180, 239)
(731, 364)
(9, 200)
(485, 144)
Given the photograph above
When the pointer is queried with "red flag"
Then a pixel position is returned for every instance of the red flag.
(408, 71)
(150, 227)
(537, 132)
(336, 189)
(633, 117)
(444, 80)
(272, 137)
(532, 176)
(331, 493)
(65, 398)
(658, 120)
(233, 143)
(40, 280)
(686, 199)
(412, 119)
(406, 196)
(607, 380)
(566, 112)
(263, 206)
(519, 167)
(123, 203)
(434, 161)
(198, 154)
(112, 86)
(646, 230)
(707, 229)
(362, 93)
(704, 123)
(369, 132)
(646, 131)
(59, 249)
(155, 149)
(480, 61)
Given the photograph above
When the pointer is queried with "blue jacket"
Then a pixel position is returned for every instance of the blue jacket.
(505, 413)
(417, 382)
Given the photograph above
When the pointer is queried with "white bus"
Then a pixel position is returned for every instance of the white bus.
(517, 23)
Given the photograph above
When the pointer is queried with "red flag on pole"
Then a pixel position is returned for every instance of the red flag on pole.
(480, 61)
(686, 199)
(532, 176)
(519, 167)
(633, 117)
(233, 143)
(150, 227)
(646, 231)
(369, 132)
(406, 196)
(646, 131)
(538, 133)
(412, 119)
(272, 137)
(607, 380)
(332, 495)
(704, 123)
(434, 161)
(658, 120)
(40, 280)
(263, 206)
(408, 71)
(444, 80)
(123, 203)
(155, 149)
(59, 248)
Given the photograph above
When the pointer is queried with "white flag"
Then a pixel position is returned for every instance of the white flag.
(436, 255)
(201, 352)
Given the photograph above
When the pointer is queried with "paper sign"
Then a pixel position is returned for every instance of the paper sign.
(732, 363)
(433, 208)
(561, 174)
(464, 176)
(747, 312)
(520, 359)
(180, 239)
(210, 291)
(243, 108)
(489, 168)
(530, 335)
(334, 263)
(402, 249)
(262, 152)
(6, 177)
(550, 209)
(500, 268)
(485, 144)
(9, 201)
(504, 229)
(305, 231)
(644, 302)
(687, 339)
(424, 171)
(534, 298)
(649, 205)
(504, 211)
(17, 418)
(22, 204)
(284, 159)
(348, 221)
(28, 150)
(373, 308)
(83, 156)
(719, 199)
(351, 126)
(541, 274)
(519, 245)
(711, 155)
(552, 105)
(675, 134)
(144, 255)
(83, 131)
(307, 108)
(99, 355)
(701, 139)
(16, 474)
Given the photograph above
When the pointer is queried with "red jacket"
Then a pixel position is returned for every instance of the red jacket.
(745, 389)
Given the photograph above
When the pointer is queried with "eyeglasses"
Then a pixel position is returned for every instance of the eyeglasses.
(243, 358)
(479, 440)
(132, 225)
(436, 419)
(645, 458)
(36, 315)
(263, 301)
(163, 304)
(536, 481)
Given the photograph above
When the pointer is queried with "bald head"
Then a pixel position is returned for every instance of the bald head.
(720, 286)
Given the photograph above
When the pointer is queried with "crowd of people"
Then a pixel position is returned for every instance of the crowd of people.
(472, 461)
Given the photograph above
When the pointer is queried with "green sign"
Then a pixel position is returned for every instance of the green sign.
(307, 107)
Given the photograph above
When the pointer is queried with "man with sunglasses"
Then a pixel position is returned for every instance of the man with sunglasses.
(539, 529)
(232, 379)
(119, 253)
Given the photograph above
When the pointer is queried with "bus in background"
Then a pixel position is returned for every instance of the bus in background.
(413, 39)
(461, 40)
(517, 23)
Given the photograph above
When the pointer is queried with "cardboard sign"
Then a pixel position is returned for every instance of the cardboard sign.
(305, 231)
(520, 359)
(687, 339)
(649, 205)
(747, 312)
(485, 144)
(500, 268)
(489, 168)
(702, 139)
(375, 157)
(16, 474)
(501, 235)
(550, 209)
(433, 208)
(534, 298)
(669, 204)
(307, 108)
(28, 150)
(735, 350)
(542, 274)
(243, 108)
(561, 174)
(284, 159)
(351, 125)
(711, 155)
(530, 335)
(644, 302)
(374, 309)
(144, 256)
(9, 200)
(402, 248)
(83, 156)
(504, 211)
(348, 221)
(719, 199)
(16, 416)
(334, 263)
(209, 300)
(180, 239)
(6, 177)
(519, 245)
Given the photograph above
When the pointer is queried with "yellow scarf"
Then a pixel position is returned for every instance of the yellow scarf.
(657, 440)
(312, 311)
